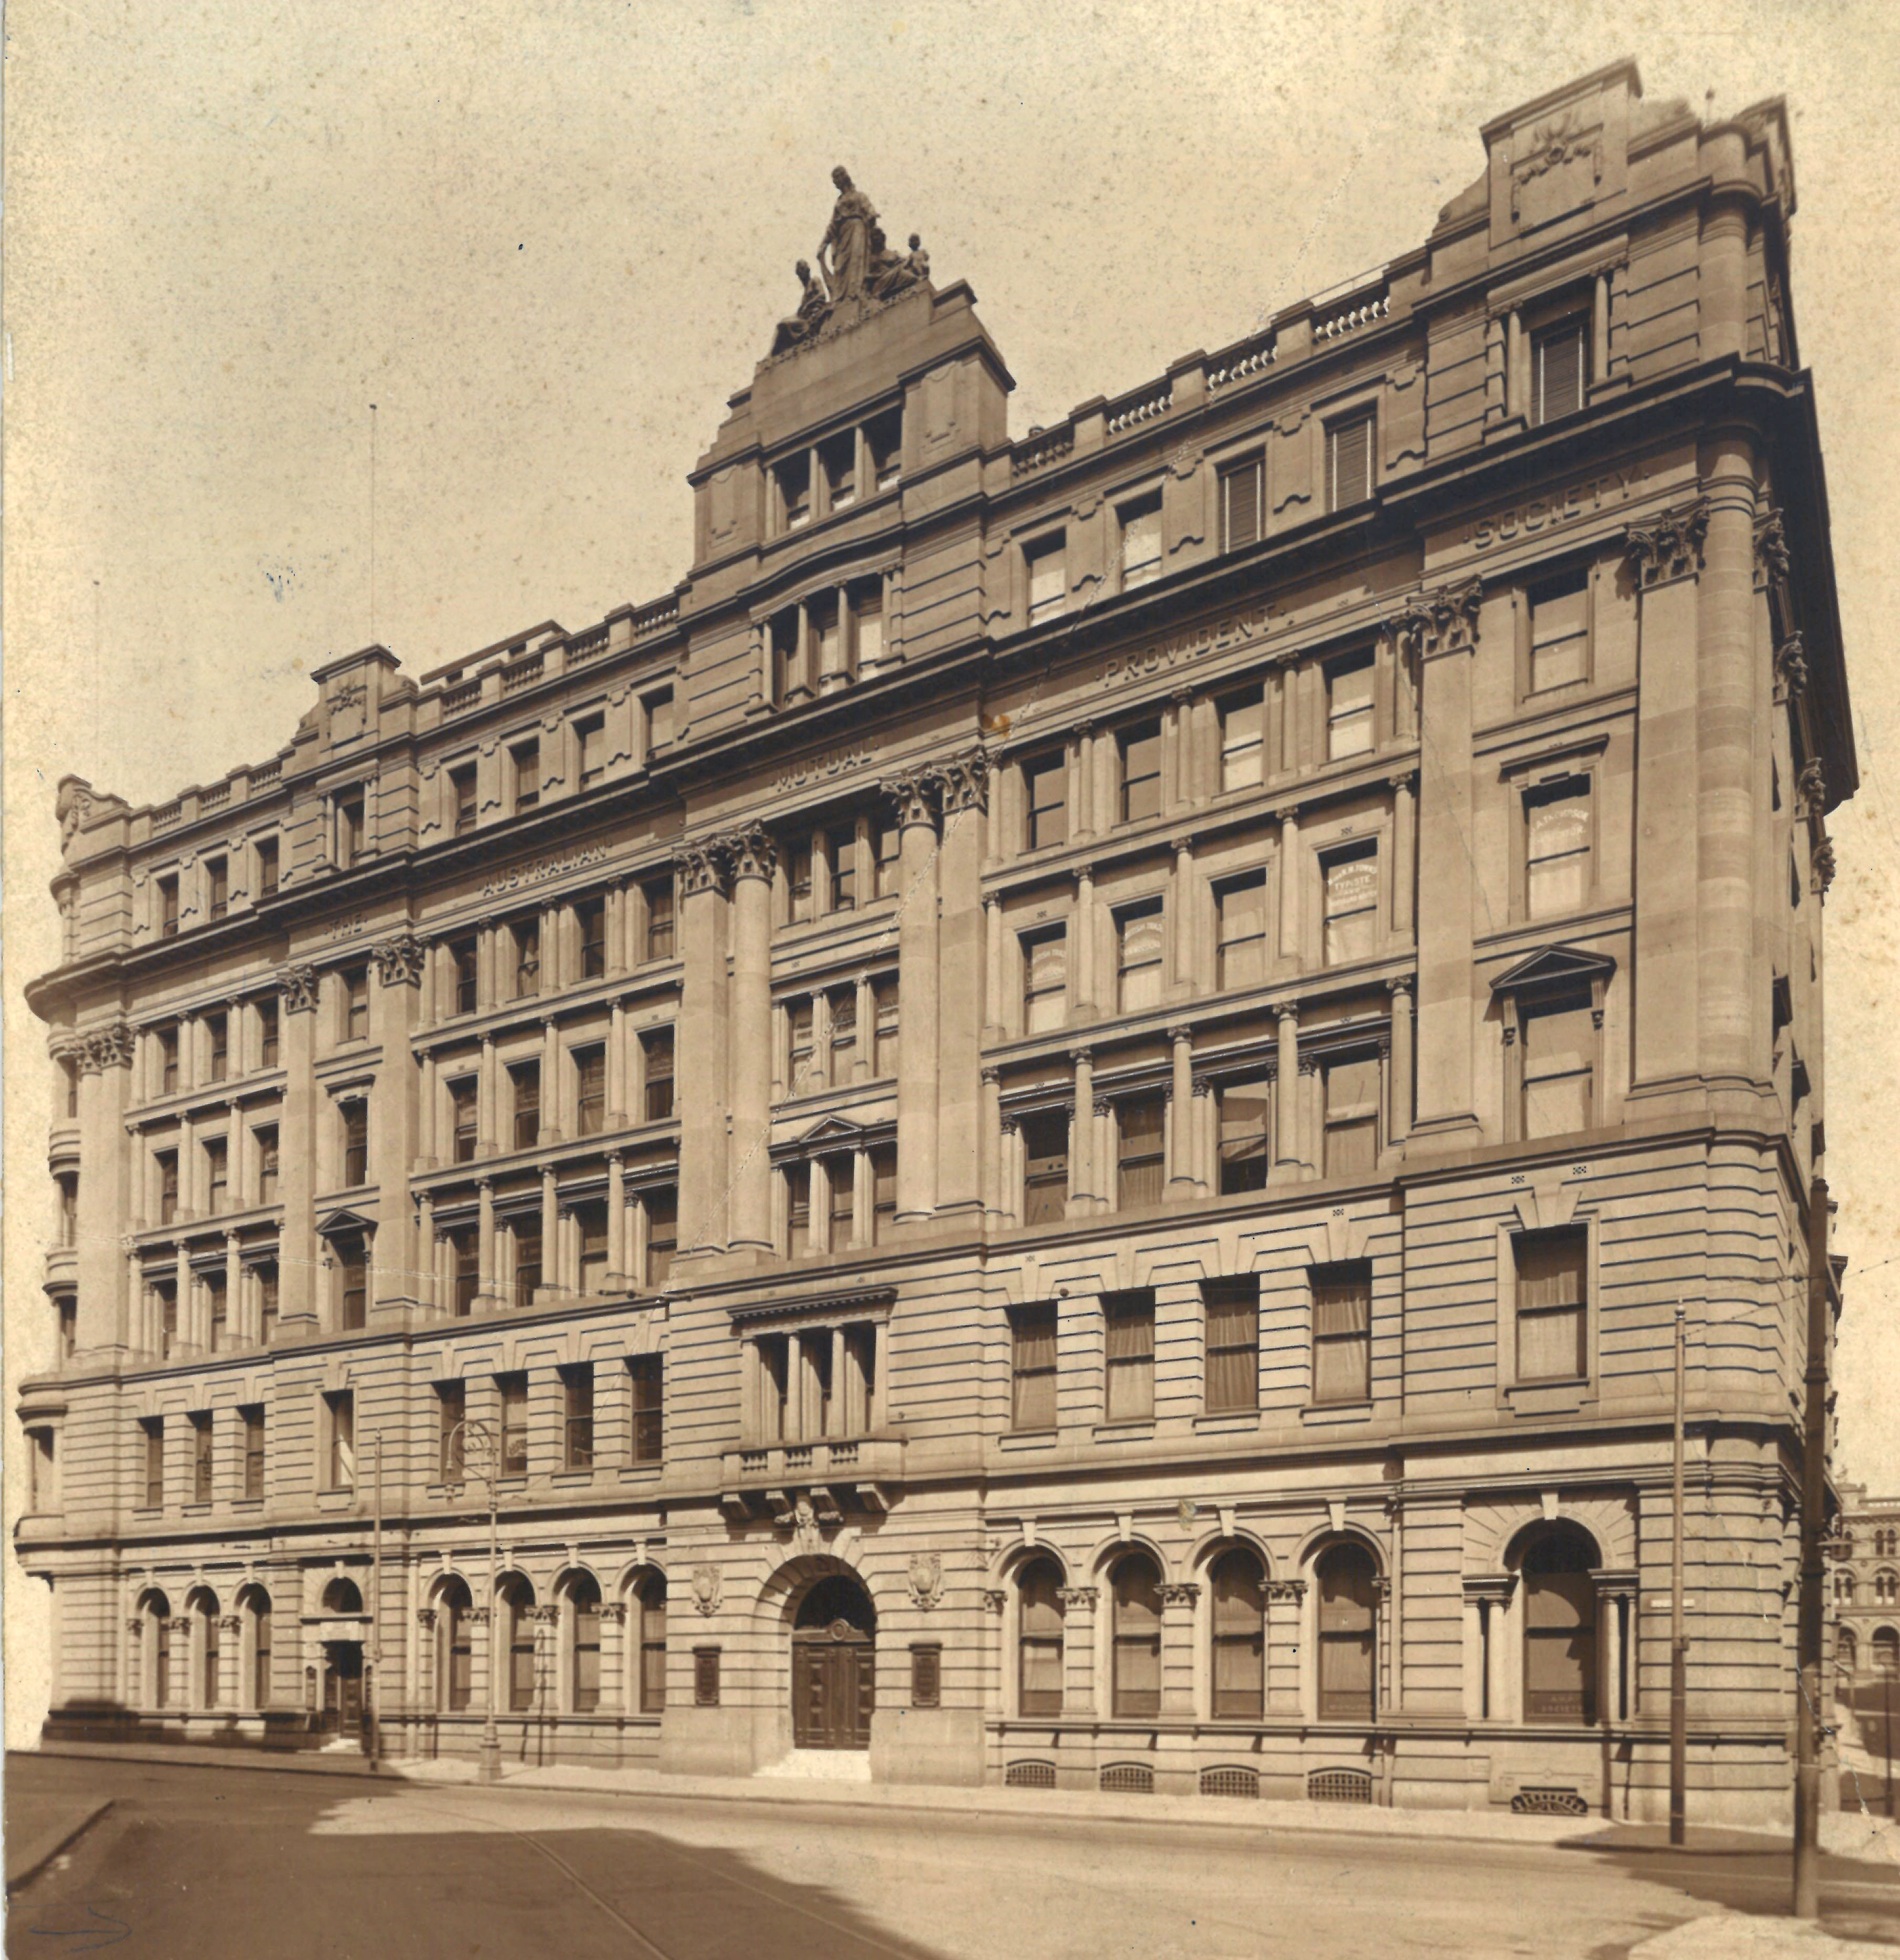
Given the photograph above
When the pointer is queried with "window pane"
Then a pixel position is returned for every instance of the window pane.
(1550, 1343)
(1046, 980)
(1140, 773)
(1551, 1268)
(1242, 489)
(1047, 586)
(1232, 1379)
(1349, 460)
(1242, 718)
(1140, 543)
(1141, 946)
(1242, 907)
(1352, 899)
(1559, 622)
(1349, 709)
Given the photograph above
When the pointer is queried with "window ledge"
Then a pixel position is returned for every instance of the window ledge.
(565, 1480)
(1358, 1411)
(1227, 1421)
(1026, 1438)
(248, 1505)
(1136, 1429)
(641, 1473)
(198, 1509)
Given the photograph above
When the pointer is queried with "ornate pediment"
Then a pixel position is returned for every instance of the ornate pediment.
(1554, 966)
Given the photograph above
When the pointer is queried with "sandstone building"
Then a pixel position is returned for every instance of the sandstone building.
(1057, 1112)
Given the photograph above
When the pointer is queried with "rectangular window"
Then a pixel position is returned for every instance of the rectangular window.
(883, 994)
(842, 1004)
(1139, 1127)
(658, 709)
(168, 1061)
(167, 1293)
(461, 1117)
(590, 1221)
(356, 1004)
(1045, 967)
(201, 1455)
(1242, 731)
(154, 1426)
(1556, 847)
(867, 626)
(348, 817)
(1552, 1269)
(1558, 368)
(512, 1391)
(340, 1422)
(1045, 1165)
(883, 1193)
(1559, 632)
(168, 907)
(464, 962)
(253, 1419)
(1559, 1037)
(524, 1086)
(793, 478)
(1140, 542)
(264, 1140)
(69, 1328)
(1351, 1142)
(218, 1027)
(1352, 892)
(1046, 798)
(887, 846)
(1232, 1309)
(462, 793)
(69, 1087)
(656, 1049)
(840, 1180)
(266, 849)
(590, 1089)
(658, 895)
(799, 1022)
(1140, 748)
(884, 438)
(68, 1190)
(788, 683)
(1043, 566)
(353, 1273)
(267, 1034)
(1348, 461)
(524, 763)
(590, 738)
(217, 887)
(1240, 928)
(1349, 730)
(841, 852)
(1140, 940)
(662, 1208)
(577, 1404)
(217, 1172)
(267, 1301)
(1128, 1326)
(1240, 502)
(525, 1234)
(798, 1210)
(356, 1116)
(167, 1162)
(451, 1413)
(646, 1374)
(1032, 1366)
(527, 934)
(466, 1249)
(1246, 1134)
(838, 457)
(798, 878)
(590, 923)
(1342, 1332)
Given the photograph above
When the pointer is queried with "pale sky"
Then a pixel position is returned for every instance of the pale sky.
(548, 238)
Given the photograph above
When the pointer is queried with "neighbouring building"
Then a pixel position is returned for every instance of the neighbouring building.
(1863, 1585)
(1049, 1124)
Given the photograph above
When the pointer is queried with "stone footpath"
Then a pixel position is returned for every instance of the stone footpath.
(40, 1828)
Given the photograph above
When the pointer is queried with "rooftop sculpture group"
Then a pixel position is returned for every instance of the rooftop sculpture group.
(857, 269)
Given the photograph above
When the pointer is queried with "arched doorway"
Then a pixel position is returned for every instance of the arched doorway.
(834, 1669)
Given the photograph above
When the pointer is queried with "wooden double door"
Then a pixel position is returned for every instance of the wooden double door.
(343, 1687)
(834, 1671)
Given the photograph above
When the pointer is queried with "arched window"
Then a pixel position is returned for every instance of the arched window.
(342, 1596)
(1884, 1589)
(455, 1650)
(1886, 1650)
(1559, 1629)
(1846, 1652)
(1240, 1634)
(1137, 1637)
(1843, 1588)
(518, 1603)
(256, 1604)
(1039, 1638)
(1348, 1627)
(649, 1604)
(583, 1658)
(204, 1610)
(158, 1617)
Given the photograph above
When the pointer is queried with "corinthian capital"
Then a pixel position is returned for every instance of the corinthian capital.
(750, 852)
(399, 961)
(298, 984)
(915, 792)
(1444, 620)
(963, 782)
(1669, 546)
(698, 868)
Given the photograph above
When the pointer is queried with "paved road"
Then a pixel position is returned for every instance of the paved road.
(209, 1863)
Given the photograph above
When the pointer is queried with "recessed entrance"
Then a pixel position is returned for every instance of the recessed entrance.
(343, 1687)
(834, 1674)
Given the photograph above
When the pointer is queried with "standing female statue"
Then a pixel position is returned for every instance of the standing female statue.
(844, 252)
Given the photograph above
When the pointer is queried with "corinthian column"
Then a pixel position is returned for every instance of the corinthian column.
(703, 1043)
(752, 858)
(919, 993)
(964, 783)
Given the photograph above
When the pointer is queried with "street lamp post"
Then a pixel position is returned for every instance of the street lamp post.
(474, 1447)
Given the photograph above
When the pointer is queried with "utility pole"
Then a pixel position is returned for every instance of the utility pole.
(1678, 1639)
(1814, 1499)
(372, 1714)
(487, 1465)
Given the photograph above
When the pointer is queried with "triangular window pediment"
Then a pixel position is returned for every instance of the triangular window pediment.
(338, 1224)
(1554, 966)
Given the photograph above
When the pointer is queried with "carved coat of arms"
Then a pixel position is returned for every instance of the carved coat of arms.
(926, 1578)
(706, 1588)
